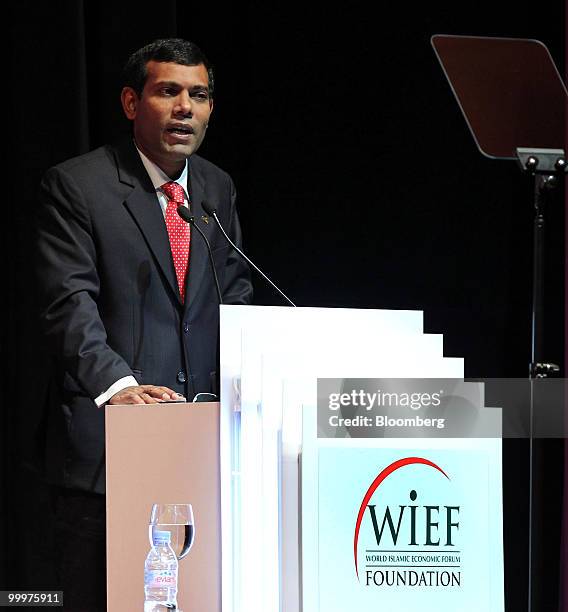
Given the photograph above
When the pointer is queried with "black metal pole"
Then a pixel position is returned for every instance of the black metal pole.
(543, 185)
(537, 333)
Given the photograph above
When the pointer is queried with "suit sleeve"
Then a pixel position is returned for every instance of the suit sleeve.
(237, 288)
(69, 287)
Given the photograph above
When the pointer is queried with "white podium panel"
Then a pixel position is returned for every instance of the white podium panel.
(433, 540)
(283, 551)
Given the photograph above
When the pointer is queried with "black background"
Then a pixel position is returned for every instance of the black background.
(359, 183)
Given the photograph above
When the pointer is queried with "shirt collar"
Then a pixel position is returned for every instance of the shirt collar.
(159, 177)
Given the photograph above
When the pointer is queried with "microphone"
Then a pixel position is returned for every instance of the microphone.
(212, 212)
(184, 213)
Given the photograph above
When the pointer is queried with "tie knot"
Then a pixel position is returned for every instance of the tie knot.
(174, 191)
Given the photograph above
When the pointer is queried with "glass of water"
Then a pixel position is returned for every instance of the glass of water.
(178, 520)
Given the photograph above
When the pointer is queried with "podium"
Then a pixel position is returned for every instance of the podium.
(295, 532)
(282, 508)
(162, 453)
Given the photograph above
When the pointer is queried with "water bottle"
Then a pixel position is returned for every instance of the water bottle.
(160, 574)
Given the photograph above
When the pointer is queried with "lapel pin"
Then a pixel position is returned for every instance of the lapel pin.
(205, 218)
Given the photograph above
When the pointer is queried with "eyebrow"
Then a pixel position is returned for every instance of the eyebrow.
(175, 84)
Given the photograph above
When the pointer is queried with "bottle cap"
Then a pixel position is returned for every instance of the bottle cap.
(161, 537)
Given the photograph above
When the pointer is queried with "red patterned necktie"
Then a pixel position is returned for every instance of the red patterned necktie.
(178, 231)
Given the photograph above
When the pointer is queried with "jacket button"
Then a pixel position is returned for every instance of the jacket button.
(186, 328)
(181, 378)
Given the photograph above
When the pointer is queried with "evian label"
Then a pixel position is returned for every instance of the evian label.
(160, 578)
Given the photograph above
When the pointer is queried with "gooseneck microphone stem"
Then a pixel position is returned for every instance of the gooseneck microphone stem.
(184, 213)
(213, 213)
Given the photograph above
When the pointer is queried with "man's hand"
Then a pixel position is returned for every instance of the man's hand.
(144, 394)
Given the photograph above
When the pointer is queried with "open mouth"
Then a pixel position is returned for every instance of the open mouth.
(180, 130)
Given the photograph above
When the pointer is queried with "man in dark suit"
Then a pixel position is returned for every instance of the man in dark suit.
(130, 309)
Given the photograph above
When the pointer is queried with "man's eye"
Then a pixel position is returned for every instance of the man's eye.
(168, 91)
(201, 96)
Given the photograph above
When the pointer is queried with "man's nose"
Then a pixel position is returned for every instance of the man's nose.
(183, 104)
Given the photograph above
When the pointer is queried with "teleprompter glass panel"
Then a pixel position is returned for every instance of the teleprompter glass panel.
(509, 91)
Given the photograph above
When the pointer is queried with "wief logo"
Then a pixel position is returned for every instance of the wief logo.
(414, 544)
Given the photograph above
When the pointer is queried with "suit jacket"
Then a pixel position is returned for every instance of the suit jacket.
(110, 302)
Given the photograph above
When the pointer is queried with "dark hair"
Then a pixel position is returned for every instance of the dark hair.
(174, 50)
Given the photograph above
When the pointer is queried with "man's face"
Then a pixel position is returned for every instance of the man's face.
(171, 116)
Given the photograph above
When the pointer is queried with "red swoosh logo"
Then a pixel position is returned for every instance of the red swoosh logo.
(374, 486)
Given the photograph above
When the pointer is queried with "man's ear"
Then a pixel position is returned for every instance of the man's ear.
(129, 100)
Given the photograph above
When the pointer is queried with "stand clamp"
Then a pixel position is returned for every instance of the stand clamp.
(543, 370)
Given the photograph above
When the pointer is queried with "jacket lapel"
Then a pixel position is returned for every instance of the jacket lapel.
(142, 204)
